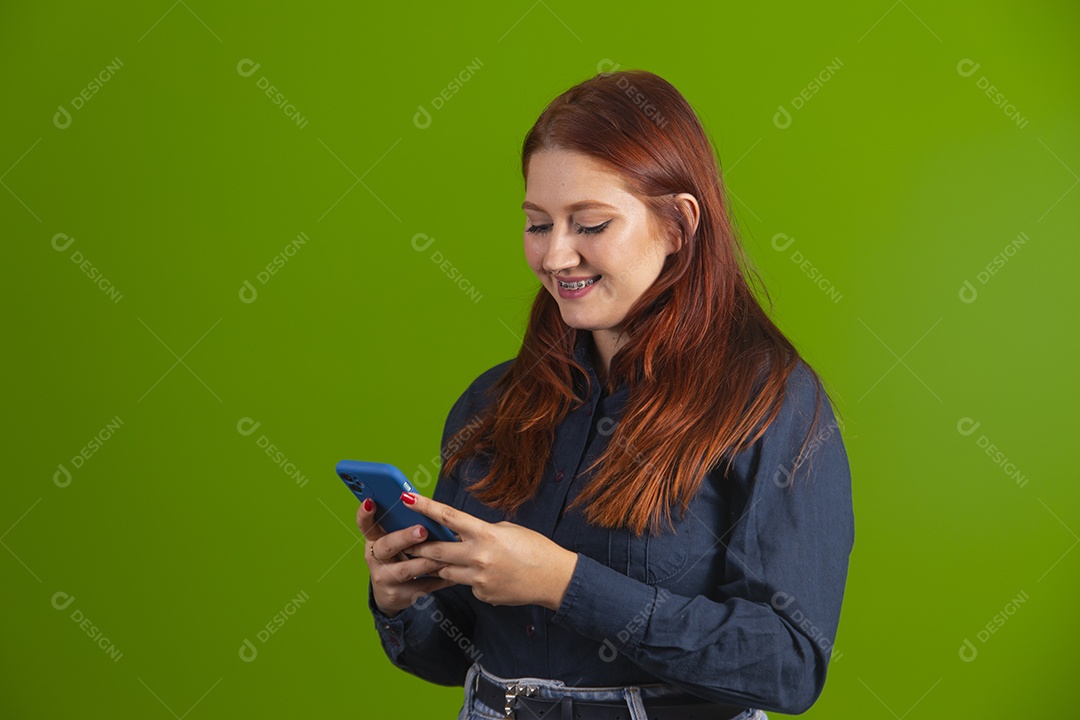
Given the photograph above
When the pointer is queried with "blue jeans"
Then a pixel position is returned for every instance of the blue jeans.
(633, 695)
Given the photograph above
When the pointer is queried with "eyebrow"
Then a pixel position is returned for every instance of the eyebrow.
(580, 205)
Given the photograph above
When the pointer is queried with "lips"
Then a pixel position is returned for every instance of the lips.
(576, 283)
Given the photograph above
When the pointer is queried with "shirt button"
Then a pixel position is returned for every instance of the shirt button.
(530, 630)
(558, 476)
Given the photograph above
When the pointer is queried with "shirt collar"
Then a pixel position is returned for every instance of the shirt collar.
(582, 347)
(581, 350)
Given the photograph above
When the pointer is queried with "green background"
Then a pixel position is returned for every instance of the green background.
(180, 180)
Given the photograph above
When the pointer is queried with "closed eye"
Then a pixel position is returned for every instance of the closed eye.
(581, 229)
(595, 229)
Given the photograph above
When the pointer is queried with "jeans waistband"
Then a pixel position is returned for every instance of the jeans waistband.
(635, 697)
(547, 688)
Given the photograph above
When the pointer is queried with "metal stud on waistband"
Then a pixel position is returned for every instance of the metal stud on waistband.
(515, 689)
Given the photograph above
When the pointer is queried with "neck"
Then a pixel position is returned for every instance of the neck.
(604, 346)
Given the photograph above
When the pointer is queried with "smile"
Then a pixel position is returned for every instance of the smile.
(579, 284)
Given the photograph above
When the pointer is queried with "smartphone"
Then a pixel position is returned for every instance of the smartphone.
(384, 484)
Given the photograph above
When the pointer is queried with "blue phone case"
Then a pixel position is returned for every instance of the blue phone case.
(384, 484)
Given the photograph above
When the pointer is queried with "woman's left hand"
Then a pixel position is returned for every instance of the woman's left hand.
(504, 563)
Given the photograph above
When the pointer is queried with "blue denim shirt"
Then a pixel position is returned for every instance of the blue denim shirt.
(739, 606)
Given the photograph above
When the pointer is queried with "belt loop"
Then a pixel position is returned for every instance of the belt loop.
(470, 688)
(566, 708)
(632, 695)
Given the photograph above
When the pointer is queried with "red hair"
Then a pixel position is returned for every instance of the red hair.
(699, 326)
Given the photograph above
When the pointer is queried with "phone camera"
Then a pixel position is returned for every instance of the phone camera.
(353, 483)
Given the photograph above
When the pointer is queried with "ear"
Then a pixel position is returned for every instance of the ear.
(688, 206)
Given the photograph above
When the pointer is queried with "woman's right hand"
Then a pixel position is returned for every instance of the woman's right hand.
(395, 578)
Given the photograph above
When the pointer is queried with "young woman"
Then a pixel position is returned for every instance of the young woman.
(653, 498)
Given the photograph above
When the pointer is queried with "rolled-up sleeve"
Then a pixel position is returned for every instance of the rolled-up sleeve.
(763, 638)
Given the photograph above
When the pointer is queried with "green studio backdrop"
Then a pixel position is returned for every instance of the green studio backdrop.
(244, 241)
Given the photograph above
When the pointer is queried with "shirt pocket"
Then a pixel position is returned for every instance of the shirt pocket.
(649, 558)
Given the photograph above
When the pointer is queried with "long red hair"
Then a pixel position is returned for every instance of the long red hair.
(699, 343)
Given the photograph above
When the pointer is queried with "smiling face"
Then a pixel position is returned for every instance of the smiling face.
(592, 243)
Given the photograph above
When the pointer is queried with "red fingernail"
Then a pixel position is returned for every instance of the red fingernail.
(368, 504)
(408, 498)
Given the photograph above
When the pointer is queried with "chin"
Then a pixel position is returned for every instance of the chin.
(580, 321)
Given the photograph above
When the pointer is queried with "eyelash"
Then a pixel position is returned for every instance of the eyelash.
(582, 230)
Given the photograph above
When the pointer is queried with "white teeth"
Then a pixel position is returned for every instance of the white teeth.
(579, 284)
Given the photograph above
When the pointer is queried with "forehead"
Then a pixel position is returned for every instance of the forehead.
(559, 178)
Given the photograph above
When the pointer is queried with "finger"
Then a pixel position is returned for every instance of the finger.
(365, 520)
(460, 522)
(406, 571)
(451, 553)
(423, 586)
(453, 574)
(401, 596)
(391, 545)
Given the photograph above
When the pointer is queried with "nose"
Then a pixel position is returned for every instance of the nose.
(561, 253)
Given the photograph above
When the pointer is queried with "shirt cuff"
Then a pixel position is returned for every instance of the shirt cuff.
(391, 629)
(606, 605)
